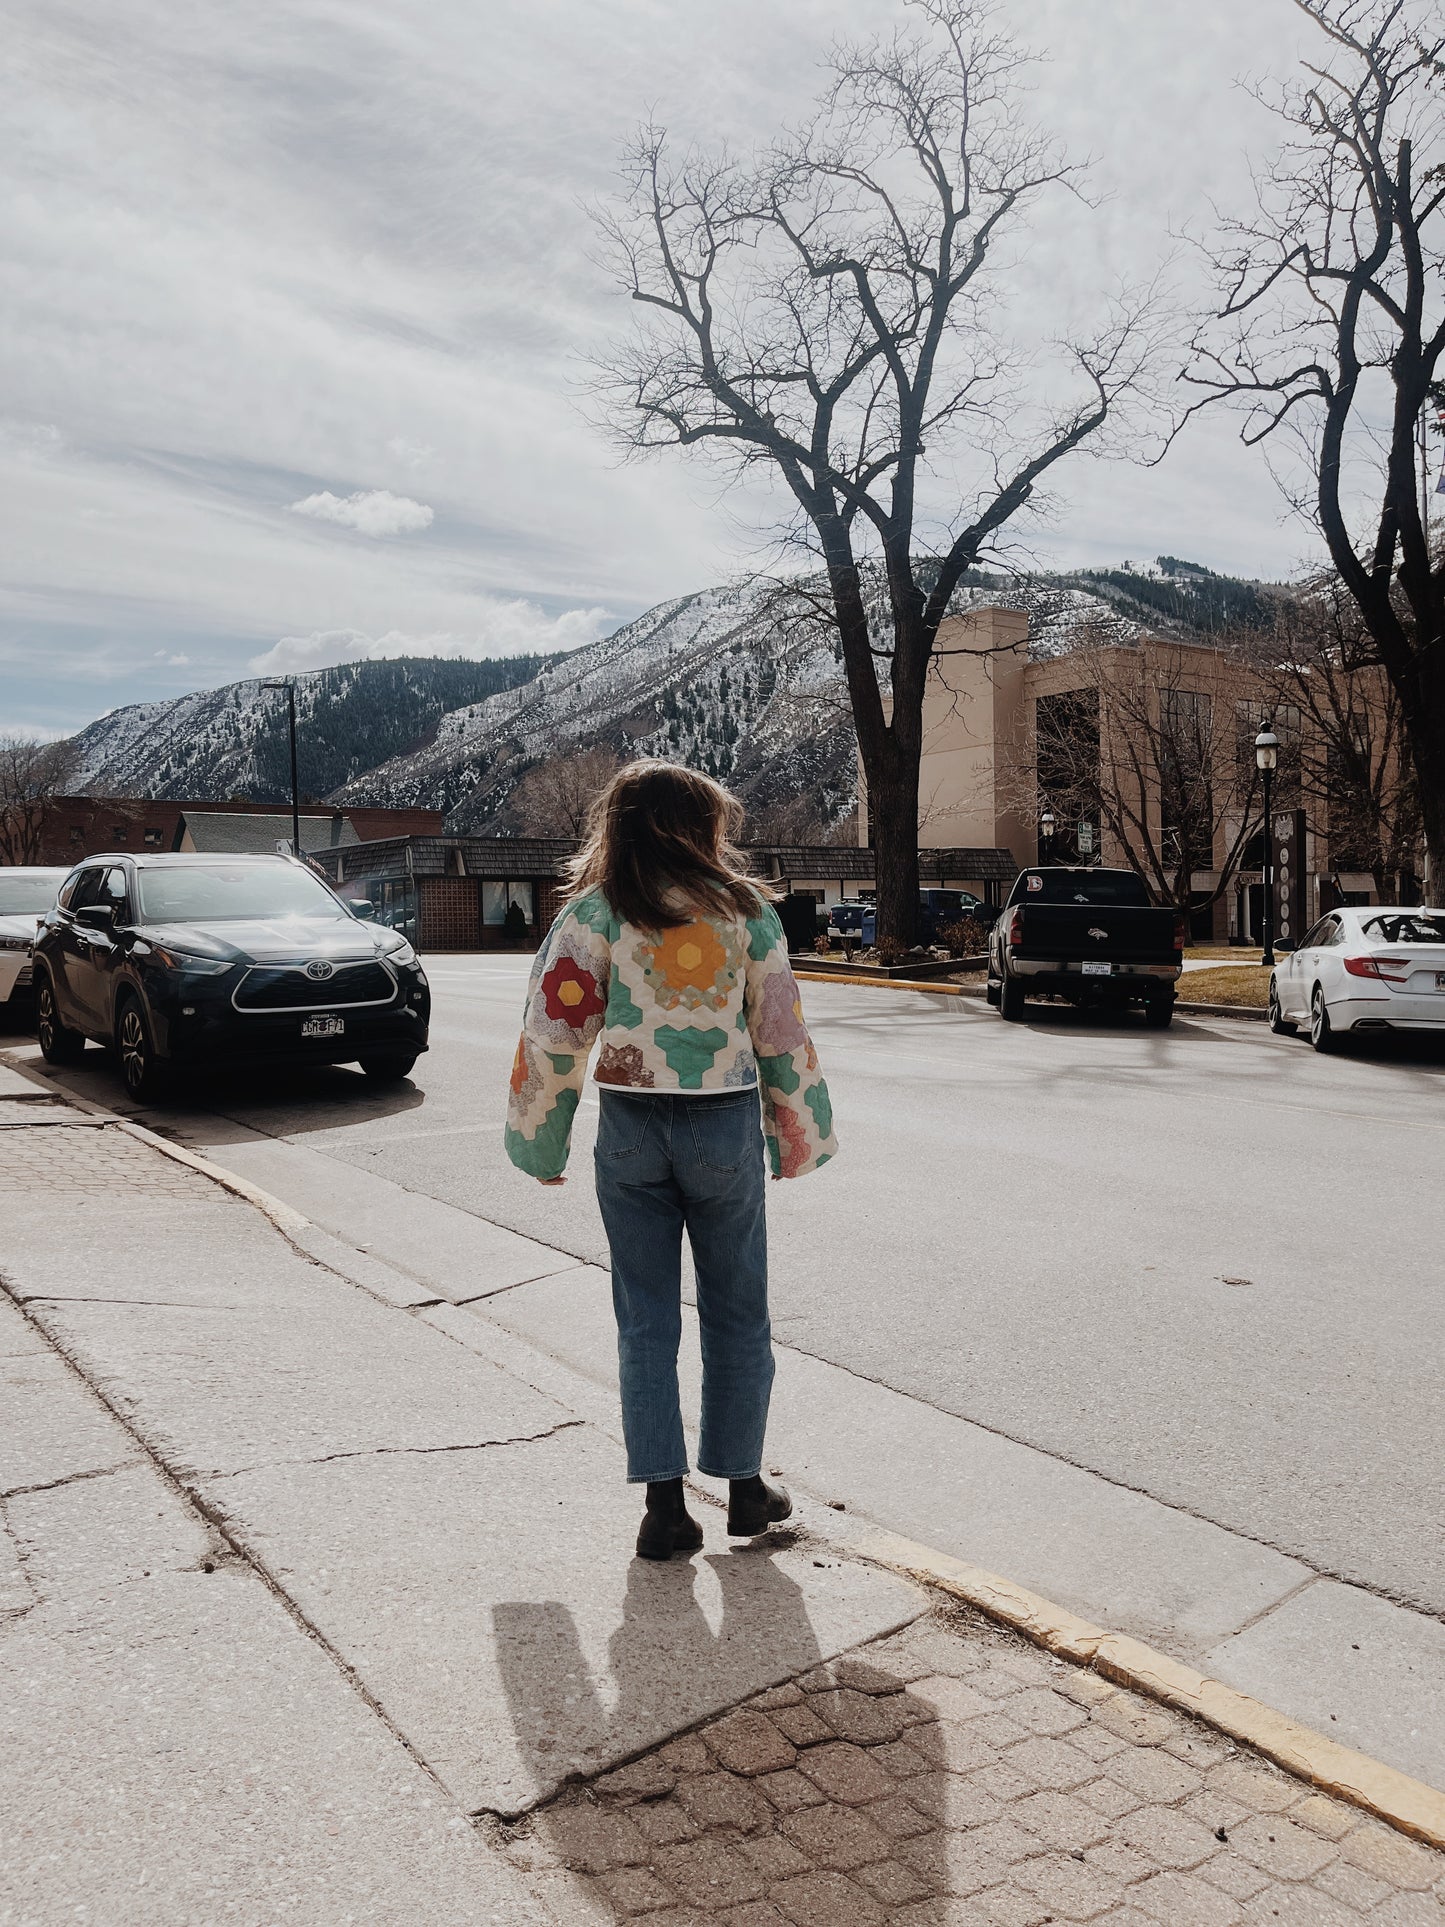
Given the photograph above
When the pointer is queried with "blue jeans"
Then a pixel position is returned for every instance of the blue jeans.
(666, 1163)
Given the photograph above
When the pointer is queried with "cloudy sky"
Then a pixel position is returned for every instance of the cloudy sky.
(297, 301)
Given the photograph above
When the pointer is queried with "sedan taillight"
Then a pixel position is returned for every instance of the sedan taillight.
(1387, 970)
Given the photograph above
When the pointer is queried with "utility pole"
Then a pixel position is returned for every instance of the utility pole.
(290, 688)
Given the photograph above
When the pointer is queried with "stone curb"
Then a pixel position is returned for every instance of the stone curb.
(1407, 1804)
(1182, 1005)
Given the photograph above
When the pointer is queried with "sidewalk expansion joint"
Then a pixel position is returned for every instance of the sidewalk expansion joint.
(214, 1520)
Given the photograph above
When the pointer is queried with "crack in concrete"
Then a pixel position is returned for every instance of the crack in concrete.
(71, 1478)
(392, 1451)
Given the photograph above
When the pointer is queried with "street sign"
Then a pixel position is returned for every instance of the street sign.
(1086, 838)
(1291, 903)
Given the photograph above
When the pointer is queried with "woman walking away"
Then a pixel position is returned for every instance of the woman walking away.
(671, 954)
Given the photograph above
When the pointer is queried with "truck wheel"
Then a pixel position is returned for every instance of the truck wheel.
(59, 1044)
(990, 992)
(1159, 1013)
(1011, 1000)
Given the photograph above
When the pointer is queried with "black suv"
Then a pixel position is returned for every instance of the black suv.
(198, 961)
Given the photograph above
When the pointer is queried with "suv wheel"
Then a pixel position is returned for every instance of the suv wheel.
(59, 1044)
(144, 1074)
(388, 1067)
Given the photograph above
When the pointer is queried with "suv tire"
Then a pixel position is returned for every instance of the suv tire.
(59, 1044)
(388, 1067)
(146, 1077)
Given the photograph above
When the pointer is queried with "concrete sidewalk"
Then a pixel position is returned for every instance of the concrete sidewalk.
(317, 1602)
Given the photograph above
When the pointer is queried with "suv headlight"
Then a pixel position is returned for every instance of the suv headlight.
(16, 943)
(396, 949)
(192, 966)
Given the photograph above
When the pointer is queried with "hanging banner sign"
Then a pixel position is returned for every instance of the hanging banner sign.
(1291, 897)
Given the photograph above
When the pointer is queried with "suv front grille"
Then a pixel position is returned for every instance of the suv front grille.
(287, 987)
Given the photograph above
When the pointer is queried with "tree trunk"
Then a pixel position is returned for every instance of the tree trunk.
(893, 826)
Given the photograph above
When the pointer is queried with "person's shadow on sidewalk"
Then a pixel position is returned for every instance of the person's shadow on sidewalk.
(668, 1666)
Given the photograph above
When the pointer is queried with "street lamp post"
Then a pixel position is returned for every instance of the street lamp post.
(1046, 829)
(1266, 755)
(290, 689)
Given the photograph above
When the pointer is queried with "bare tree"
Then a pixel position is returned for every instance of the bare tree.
(1331, 320)
(555, 798)
(32, 774)
(828, 311)
(1143, 747)
(1319, 661)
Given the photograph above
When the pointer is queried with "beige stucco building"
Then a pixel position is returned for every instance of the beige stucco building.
(981, 784)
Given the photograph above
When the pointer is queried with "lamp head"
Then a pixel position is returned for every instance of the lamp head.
(1266, 748)
(1046, 822)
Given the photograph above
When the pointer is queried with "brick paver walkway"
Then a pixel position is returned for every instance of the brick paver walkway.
(954, 1776)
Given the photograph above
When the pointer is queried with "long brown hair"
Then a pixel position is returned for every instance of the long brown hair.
(660, 847)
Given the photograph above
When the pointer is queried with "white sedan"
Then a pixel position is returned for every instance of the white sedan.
(1370, 969)
(25, 896)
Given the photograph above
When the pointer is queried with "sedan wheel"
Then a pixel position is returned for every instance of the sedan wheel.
(143, 1073)
(1322, 1034)
(59, 1044)
(1278, 1022)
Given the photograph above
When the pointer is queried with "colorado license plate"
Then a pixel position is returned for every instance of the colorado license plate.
(322, 1026)
(1097, 969)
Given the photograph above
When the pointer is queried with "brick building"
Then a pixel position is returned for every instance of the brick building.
(79, 826)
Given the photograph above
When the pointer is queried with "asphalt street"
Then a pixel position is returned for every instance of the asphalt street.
(1204, 1264)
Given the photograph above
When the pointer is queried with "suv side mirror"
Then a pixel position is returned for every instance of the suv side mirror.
(362, 907)
(99, 916)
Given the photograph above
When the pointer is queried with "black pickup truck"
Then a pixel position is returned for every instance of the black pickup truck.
(1086, 936)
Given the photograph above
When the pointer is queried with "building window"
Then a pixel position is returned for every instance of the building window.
(498, 898)
(117, 833)
(153, 839)
(77, 833)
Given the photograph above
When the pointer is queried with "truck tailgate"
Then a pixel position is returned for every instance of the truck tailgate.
(1076, 932)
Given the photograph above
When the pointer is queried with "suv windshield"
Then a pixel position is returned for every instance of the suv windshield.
(1410, 928)
(25, 893)
(1081, 886)
(220, 891)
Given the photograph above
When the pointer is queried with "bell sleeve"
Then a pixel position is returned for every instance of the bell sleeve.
(566, 1004)
(797, 1113)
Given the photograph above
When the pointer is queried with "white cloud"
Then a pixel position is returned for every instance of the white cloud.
(375, 511)
(508, 629)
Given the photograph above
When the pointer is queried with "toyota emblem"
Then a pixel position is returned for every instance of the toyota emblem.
(319, 970)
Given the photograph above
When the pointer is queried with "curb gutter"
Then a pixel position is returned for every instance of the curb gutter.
(1407, 1804)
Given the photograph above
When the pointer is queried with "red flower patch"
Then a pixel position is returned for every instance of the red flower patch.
(571, 994)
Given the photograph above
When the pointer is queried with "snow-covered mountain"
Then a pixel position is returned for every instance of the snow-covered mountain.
(744, 681)
(232, 741)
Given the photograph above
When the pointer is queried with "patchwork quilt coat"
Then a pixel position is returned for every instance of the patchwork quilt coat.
(710, 1005)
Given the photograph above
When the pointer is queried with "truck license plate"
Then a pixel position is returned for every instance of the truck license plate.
(1097, 969)
(322, 1026)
